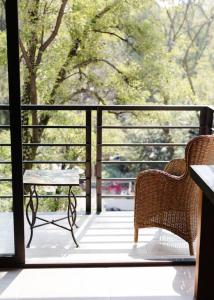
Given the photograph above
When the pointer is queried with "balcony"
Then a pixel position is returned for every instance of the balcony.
(115, 143)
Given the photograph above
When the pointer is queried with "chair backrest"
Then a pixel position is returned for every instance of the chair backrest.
(200, 151)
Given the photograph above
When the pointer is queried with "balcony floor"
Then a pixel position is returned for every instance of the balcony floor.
(107, 237)
(160, 283)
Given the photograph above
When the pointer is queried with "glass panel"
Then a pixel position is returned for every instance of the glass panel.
(6, 201)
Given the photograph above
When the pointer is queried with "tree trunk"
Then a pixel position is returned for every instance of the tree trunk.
(30, 135)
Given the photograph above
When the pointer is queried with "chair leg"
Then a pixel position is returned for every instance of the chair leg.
(191, 249)
(135, 234)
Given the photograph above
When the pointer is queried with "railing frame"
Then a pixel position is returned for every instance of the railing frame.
(18, 259)
(205, 127)
(87, 145)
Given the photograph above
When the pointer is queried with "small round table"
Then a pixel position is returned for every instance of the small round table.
(34, 178)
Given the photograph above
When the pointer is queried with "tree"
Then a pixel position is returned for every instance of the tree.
(187, 26)
(84, 51)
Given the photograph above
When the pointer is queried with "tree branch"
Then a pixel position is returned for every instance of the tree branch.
(105, 10)
(95, 60)
(43, 25)
(185, 59)
(101, 100)
(25, 54)
(116, 35)
(111, 33)
(194, 39)
(54, 33)
(202, 10)
(87, 91)
(61, 76)
(171, 32)
(70, 75)
(183, 21)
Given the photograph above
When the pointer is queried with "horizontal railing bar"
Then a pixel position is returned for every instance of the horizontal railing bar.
(53, 162)
(55, 196)
(2, 162)
(154, 107)
(148, 127)
(4, 106)
(144, 144)
(117, 179)
(48, 126)
(55, 126)
(116, 107)
(10, 179)
(112, 107)
(117, 196)
(52, 145)
(47, 144)
(43, 196)
(134, 162)
(103, 127)
(59, 107)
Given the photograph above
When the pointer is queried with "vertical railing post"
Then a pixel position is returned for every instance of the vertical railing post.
(206, 121)
(88, 161)
(15, 126)
(99, 160)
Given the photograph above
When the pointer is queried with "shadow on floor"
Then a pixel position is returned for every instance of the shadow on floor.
(102, 236)
(6, 278)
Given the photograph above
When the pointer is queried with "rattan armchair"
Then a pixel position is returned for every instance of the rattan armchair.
(169, 199)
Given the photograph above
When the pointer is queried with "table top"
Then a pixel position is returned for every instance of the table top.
(51, 177)
(203, 175)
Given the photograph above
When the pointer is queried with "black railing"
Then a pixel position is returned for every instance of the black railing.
(86, 144)
(204, 126)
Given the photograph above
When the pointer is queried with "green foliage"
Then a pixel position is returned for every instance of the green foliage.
(110, 52)
(138, 136)
(104, 31)
(3, 58)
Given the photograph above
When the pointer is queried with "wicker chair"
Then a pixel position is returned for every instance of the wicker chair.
(169, 199)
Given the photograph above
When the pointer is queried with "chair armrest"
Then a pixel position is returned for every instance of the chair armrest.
(155, 188)
(156, 178)
(176, 167)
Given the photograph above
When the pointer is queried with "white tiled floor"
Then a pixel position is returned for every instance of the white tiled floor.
(148, 283)
(107, 237)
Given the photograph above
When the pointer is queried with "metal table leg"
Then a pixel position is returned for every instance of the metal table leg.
(33, 208)
(71, 213)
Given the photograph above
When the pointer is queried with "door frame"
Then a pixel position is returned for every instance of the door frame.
(14, 107)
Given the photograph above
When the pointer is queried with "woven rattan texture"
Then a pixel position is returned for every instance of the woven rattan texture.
(169, 199)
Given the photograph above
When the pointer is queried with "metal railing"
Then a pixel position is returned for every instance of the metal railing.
(86, 144)
(204, 126)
